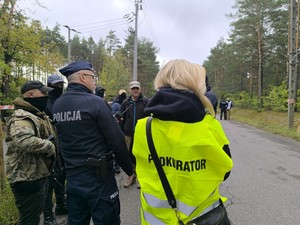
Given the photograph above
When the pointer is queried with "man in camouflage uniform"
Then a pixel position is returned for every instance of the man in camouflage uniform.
(30, 152)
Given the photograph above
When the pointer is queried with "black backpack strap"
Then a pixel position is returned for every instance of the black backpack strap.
(163, 178)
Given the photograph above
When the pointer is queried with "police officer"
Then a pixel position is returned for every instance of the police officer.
(57, 180)
(90, 139)
(223, 108)
(30, 153)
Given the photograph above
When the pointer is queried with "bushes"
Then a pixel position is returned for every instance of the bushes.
(8, 212)
(276, 100)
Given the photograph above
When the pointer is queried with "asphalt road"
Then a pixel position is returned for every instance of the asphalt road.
(264, 185)
(263, 188)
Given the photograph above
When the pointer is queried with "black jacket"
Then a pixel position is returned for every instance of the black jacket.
(87, 128)
(132, 111)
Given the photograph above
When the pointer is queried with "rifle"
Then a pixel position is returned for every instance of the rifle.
(119, 115)
(56, 168)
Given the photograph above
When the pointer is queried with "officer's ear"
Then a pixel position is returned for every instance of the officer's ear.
(81, 77)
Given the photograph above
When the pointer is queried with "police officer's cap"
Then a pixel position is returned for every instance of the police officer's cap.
(54, 79)
(30, 85)
(75, 67)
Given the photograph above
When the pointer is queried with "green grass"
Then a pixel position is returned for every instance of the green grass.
(8, 211)
(272, 122)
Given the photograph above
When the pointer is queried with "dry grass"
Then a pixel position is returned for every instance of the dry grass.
(273, 122)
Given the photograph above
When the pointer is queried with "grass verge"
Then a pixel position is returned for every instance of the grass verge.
(8, 211)
(272, 122)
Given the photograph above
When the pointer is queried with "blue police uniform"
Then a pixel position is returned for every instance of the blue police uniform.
(87, 129)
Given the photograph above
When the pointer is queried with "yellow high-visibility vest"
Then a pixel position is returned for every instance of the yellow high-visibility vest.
(194, 162)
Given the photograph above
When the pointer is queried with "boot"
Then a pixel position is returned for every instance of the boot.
(138, 186)
(130, 181)
(117, 169)
(61, 205)
(50, 220)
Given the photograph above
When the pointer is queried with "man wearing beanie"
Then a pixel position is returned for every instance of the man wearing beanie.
(30, 154)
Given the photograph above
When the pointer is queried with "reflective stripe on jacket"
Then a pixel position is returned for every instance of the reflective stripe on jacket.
(194, 161)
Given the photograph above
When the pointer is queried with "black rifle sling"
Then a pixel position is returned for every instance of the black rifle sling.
(161, 173)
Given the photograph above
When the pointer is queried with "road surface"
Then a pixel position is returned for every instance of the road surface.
(264, 185)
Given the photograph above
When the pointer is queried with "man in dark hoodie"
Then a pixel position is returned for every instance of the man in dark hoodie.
(57, 180)
(132, 109)
(116, 105)
(115, 108)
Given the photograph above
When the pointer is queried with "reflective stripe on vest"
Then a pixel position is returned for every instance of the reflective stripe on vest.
(158, 203)
(152, 219)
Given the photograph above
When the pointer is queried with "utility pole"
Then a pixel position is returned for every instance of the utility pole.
(292, 63)
(69, 41)
(135, 44)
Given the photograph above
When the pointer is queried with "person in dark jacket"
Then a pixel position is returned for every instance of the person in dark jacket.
(223, 109)
(90, 139)
(57, 180)
(100, 91)
(132, 110)
(116, 105)
(115, 108)
(211, 95)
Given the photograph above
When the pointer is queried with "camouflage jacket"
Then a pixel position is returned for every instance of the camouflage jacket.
(29, 153)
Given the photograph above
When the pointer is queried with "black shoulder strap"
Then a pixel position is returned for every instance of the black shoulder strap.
(161, 173)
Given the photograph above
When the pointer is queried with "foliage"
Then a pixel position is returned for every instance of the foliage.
(246, 101)
(8, 211)
(254, 58)
(277, 98)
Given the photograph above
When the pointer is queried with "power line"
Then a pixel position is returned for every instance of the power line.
(149, 22)
(100, 22)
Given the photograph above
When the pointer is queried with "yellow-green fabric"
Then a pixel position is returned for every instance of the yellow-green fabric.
(193, 159)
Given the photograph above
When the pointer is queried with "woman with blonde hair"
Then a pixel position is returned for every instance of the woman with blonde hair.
(192, 150)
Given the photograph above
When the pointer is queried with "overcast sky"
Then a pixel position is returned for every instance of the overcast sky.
(185, 29)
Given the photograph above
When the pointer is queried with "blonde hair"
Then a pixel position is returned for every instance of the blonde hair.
(182, 75)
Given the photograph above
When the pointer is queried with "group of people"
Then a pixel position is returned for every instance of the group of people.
(77, 136)
(225, 108)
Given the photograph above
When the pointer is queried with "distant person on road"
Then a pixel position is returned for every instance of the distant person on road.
(192, 149)
(229, 106)
(58, 178)
(132, 109)
(90, 141)
(223, 109)
(30, 154)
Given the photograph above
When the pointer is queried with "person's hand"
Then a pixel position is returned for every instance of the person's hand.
(51, 151)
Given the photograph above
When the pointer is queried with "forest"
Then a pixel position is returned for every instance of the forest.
(250, 67)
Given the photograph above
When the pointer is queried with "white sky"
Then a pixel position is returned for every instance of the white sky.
(185, 29)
